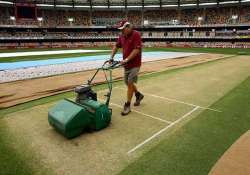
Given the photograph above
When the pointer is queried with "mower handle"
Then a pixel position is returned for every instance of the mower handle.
(111, 64)
(105, 67)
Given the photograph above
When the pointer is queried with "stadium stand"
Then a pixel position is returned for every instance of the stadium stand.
(73, 27)
(59, 17)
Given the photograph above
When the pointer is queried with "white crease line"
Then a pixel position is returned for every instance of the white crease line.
(147, 115)
(174, 100)
(190, 104)
(162, 130)
(156, 118)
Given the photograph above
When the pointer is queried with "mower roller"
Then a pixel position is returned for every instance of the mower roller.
(72, 118)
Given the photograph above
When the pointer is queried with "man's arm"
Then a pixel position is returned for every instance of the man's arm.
(132, 55)
(114, 50)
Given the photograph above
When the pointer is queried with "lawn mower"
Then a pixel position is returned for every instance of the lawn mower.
(72, 118)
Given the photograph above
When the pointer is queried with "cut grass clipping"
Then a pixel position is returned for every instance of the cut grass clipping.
(195, 148)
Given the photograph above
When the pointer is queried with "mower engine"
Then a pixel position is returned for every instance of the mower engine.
(84, 92)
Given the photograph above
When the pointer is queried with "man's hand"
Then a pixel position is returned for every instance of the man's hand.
(131, 56)
(124, 61)
(111, 60)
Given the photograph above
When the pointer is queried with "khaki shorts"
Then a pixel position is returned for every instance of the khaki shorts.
(131, 75)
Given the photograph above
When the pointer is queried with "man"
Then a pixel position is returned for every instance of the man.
(130, 42)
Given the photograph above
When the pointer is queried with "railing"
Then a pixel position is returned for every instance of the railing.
(105, 26)
(114, 37)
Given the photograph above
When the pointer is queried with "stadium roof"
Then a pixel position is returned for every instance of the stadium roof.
(126, 3)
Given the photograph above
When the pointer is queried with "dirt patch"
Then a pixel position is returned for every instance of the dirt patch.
(27, 90)
(236, 159)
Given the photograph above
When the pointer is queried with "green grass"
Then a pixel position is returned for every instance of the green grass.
(12, 160)
(195, 148)
(190, 152)
(15, 162)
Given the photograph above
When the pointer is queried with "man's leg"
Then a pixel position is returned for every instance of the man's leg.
(126, 108)
(135, 88)
(138, 97)
(130, 78)
(130, 91)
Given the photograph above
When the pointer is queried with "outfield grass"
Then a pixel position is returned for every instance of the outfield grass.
(195, 148)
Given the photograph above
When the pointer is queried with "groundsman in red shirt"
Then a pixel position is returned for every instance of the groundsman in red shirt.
(131, 44)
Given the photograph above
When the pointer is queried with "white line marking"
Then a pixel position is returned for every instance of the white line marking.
(147, 115)
(190, 104)
(162, 130)
(174, 100)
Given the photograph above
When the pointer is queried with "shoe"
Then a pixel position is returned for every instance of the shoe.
(126, 109)
(138, 99)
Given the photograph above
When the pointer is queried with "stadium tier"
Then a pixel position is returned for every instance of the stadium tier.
(80, 23)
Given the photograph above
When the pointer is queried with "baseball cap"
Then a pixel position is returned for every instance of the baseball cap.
(122, 24)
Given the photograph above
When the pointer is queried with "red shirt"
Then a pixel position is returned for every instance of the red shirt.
(128, 44)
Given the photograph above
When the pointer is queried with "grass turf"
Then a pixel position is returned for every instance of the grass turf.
(18, 165)
(195, 148)
(13, 161)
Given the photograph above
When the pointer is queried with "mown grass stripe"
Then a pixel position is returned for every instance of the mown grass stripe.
(195, 147)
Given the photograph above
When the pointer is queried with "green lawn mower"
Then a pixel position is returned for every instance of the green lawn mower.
(72, 118)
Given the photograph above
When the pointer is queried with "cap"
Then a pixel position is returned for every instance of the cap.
(122, 24)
